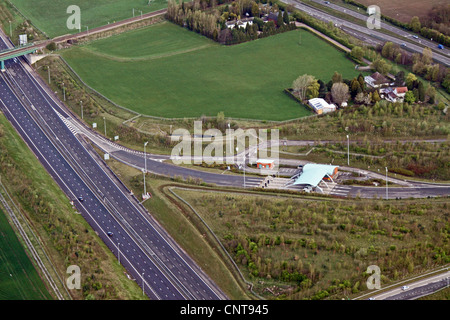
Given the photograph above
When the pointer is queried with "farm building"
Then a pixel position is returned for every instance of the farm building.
(320, 106)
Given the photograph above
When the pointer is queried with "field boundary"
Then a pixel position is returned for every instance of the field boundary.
(137, 115)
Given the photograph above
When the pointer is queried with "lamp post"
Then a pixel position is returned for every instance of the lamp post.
(348, 151)
(118, 251)
(387, 183)
(64, 91)
(243, 165)
(104, 122)
(143, 284)
(145, 166)
(81, 105)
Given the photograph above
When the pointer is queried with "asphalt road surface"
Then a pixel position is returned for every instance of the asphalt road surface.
(144, 248)
(414, 47)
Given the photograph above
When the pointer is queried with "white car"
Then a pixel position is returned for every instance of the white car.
(405, 288)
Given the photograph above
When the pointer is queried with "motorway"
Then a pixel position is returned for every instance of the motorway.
(418, 46)
(414, 289)
(144, 248)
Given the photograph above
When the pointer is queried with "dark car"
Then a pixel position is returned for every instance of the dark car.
(109, 233)
(80, 198)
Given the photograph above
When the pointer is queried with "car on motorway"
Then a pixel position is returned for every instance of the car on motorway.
(403, 44)
(109, 233)
(80, 198)
(405, 288)
(415, 37)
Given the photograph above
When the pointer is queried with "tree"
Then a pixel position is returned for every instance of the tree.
(336, 78)
(357, 53)
(322, 89)
(339, 93)
(410, 79)
(301, 84)
(355, 88)
(399, 79)
(421, 91)
(431, 94)
(286, 17)
(388, 50)
(427, 56)
(255, 10)
(375, 97)
(363, 98)
(280, 20)
(381, 66)
(313, 89)
(409, 97)
(415, 24)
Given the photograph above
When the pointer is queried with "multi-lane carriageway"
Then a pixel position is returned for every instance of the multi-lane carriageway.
(149, 254)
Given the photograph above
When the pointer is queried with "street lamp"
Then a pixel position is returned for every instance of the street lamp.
(81, 105)
(143, 284)
(104, 122)
(243, 165)
(118, 251)
(386, 183)
(64, 91)
(348, 151)
(145, 166)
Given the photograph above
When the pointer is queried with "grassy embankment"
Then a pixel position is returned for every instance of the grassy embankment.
(67, 237)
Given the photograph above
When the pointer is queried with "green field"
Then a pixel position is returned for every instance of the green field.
(164, 70)
(19, 279)
(51, 16)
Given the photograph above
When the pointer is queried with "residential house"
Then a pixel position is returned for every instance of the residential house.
(393, 94)
(377, 80)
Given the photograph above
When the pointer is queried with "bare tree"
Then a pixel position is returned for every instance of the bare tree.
(339, 93)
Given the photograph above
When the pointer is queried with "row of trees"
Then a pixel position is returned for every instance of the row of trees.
(194, 19)
(421, 64)
(212, 24)
(339, 90)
